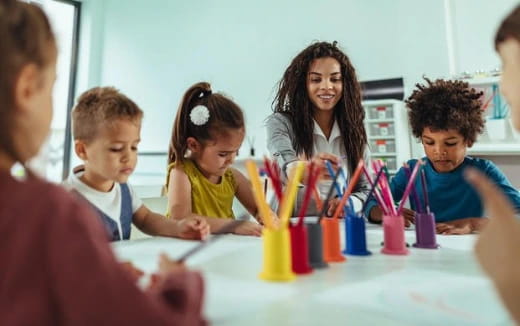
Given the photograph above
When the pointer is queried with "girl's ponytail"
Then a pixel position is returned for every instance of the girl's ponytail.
(181, 126)
(202, 115)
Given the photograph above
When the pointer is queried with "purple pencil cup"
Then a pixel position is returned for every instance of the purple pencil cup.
(425, 231)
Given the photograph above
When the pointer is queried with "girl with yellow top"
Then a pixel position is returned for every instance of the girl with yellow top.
(207, 133)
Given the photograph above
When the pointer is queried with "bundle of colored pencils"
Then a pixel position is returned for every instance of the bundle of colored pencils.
(382, 192)
(286, 198)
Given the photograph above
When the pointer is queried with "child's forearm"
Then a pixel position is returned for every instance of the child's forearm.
(214, 223)
(157, 225)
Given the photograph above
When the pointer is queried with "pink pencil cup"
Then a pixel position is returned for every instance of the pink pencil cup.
(393, 228)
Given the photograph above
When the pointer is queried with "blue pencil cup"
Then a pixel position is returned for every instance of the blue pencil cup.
(355, 233)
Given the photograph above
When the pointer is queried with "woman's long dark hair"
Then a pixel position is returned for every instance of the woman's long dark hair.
(293, 100)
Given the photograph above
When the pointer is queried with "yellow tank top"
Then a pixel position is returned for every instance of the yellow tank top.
(208, 199)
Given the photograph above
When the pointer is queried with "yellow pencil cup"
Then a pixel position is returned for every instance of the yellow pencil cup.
(277, 265)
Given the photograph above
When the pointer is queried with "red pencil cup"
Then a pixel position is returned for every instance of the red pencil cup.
(393, 228)
(299, 249)
(331, 243)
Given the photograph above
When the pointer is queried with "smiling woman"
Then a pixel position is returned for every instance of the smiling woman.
(318, 115)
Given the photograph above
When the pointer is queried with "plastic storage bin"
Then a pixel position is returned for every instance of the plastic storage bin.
(382, 146)
(384, 129)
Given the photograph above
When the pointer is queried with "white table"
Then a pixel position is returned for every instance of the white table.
(427, 287)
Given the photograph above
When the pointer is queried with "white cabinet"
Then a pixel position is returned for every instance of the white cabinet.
(388, 133)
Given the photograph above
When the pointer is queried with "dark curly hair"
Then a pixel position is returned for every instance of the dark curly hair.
(446, 104)
(293, 100)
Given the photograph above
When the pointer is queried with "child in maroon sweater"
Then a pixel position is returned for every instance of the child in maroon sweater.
(55, 266)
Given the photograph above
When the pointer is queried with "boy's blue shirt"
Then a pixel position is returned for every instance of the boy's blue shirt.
(450, 196)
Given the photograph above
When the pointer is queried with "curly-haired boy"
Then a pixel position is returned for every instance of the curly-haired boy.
(446, 117)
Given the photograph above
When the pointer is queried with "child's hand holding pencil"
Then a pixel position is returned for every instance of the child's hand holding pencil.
(134, 272)
(166, 266)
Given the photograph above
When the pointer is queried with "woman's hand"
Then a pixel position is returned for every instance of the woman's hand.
(320, 160)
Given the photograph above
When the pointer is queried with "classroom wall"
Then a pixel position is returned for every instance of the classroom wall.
(474, 26)
(153, 50)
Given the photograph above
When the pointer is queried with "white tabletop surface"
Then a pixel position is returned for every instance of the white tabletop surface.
(427, 287)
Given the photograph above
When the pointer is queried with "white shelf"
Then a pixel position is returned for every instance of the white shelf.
(509, 148)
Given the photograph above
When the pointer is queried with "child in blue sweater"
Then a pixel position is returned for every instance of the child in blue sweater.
(446, 117)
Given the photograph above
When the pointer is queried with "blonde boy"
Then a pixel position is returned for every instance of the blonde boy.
(106, 130)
